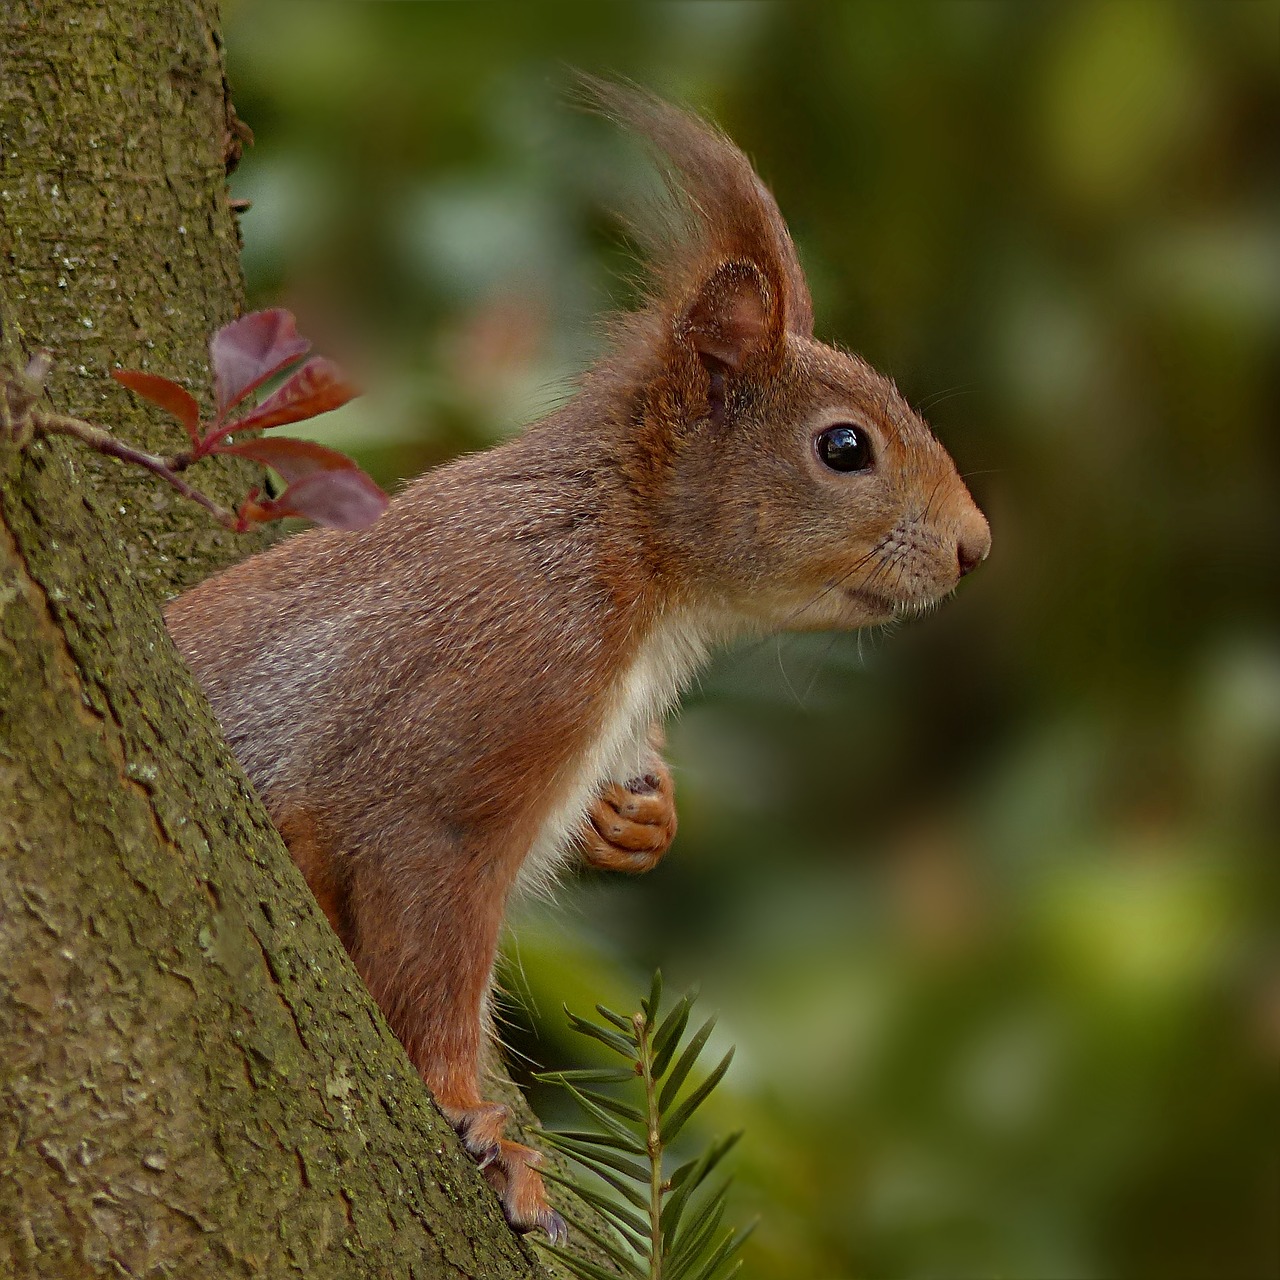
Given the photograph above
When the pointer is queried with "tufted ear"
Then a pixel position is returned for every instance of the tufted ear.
(722, 262)
(733, 320)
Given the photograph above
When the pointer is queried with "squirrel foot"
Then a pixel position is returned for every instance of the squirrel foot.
(632, 824)
(510, 1168)
(513, 1174)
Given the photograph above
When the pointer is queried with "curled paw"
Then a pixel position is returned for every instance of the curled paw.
(632, 824)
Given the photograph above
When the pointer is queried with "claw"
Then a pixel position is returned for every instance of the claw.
(480, 1129)
(553, 1224)
(510, 1168)
(514, 1176)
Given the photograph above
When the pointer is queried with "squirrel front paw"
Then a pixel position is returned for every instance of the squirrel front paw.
(632, 824)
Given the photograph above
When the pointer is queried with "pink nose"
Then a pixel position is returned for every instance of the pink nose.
(974, 542)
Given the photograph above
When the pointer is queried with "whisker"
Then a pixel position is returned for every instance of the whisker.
(839, 582)
(808, 604)
(818, 666)
(928, 505)
(786, 679)
(948, 393)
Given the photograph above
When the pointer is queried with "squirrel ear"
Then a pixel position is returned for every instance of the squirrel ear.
(734, 319)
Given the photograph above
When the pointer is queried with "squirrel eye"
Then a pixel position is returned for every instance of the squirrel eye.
(845, 447)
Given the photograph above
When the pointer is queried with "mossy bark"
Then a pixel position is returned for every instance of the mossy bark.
(193, 1081)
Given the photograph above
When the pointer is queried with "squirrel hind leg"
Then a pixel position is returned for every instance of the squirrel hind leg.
(510, 1168)
(315, 859)
(411, 957)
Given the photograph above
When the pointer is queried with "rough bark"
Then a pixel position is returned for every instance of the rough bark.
(192, 1079)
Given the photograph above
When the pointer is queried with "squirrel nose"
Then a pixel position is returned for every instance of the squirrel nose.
(973, 544)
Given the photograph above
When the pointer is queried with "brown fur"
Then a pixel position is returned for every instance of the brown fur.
(421, 703)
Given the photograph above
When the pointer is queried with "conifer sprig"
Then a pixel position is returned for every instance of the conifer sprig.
(661, 1226)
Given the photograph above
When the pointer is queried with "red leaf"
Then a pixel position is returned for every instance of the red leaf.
(340, 499)
(315, 389)
(292, 458)
(246, 352)
(171, 397)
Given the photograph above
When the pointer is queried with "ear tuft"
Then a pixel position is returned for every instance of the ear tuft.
(720, 227)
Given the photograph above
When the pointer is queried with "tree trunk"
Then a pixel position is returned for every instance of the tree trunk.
(193, 1081)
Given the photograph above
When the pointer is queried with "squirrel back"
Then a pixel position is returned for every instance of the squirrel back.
(471, 690)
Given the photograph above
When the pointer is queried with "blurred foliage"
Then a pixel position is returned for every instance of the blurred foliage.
(990, 905)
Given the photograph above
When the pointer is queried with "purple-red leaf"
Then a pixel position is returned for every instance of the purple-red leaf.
(315, 389)
(292, 458)
(169, 395)
(246, 352)
(339, 499)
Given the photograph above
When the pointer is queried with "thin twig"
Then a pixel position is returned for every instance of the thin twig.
(104, 442)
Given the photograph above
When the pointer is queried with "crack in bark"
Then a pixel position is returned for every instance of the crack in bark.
(108, 729)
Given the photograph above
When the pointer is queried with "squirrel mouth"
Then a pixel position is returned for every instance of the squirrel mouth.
(873, 602)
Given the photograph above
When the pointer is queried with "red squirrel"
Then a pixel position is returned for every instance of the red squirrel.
(469, 694)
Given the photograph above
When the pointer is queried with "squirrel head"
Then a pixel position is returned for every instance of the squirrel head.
(790, 484)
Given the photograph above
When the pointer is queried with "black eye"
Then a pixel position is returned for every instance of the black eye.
(845, 447)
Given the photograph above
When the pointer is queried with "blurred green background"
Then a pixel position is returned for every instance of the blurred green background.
(989, 905)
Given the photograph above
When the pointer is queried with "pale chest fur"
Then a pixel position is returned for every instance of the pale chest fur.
(642, 694)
